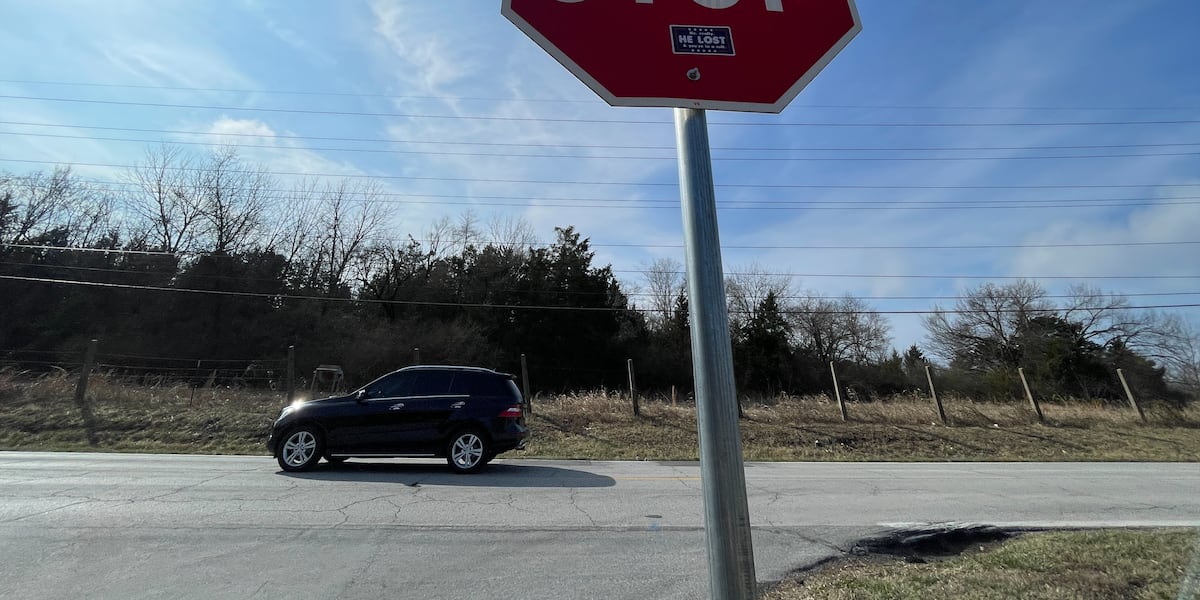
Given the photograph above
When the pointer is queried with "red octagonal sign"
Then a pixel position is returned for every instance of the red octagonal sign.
(751, 55)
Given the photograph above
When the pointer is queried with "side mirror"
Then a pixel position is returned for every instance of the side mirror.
(360, 395)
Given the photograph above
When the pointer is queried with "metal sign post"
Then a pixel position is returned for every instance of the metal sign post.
(722, 474)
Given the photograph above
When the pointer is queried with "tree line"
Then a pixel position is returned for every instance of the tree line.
(206, 254)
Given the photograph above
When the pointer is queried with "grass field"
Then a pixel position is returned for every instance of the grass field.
(1083, 565)
(40, 414)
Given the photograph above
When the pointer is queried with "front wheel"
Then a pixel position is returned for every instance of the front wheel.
(467, 452)
(301, 449)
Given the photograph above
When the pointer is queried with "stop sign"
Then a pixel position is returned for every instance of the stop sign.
(750, 55)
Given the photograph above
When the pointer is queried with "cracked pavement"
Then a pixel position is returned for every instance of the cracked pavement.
(155, 526)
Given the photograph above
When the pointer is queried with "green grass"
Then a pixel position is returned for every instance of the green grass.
(39, 414)
(1084, 565)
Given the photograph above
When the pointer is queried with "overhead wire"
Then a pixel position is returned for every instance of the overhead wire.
(281, 297)
(511, 119)
(492, 143)
(593, 101)
(608, 157)
(640, 183)
(630, 294)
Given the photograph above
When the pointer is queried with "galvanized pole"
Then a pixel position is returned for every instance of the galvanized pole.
(723, 476)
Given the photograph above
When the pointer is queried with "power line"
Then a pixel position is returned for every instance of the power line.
(348, 113)
(606, 146)
(612, 157)
(635, 183)
(725, 246)
(110, 185)
(907, 276)
(629, 294)
(894, 276)
(281, 297)
(566, 100)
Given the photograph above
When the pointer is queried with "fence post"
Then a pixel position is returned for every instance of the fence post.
(1129, 394)
(637, 408)
(81, 399)
(837, 392)
(291, 374)
(1037, 406)
(674, 396)
(416, 356)
(525, 385)
(933, 392)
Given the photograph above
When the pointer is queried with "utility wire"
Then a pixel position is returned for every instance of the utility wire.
(594, 101)
(280, 297)
(406, 198)
(348, 113)
(608, 157)
(637, 183)
(628, 294)
(570, 101)
(606, 146)
(592, 244)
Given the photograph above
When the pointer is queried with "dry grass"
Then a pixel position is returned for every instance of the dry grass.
(39, 414)
(1084, 565)
(904, 429)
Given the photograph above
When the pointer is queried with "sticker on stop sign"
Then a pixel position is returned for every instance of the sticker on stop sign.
(749, 55)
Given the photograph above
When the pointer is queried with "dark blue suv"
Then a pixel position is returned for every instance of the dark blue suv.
(467, 415)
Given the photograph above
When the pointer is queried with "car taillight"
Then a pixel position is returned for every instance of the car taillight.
(512, 412)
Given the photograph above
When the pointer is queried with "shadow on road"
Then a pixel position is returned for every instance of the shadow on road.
(426, 475)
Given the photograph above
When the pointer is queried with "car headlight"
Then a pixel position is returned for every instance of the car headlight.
(287, 410)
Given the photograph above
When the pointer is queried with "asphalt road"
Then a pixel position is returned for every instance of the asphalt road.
(156, 526)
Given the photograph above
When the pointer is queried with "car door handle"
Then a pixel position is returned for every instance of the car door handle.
(396, 406)
(458, 405)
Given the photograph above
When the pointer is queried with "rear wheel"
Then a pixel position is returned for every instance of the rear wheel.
(301, 449)
(468, 451)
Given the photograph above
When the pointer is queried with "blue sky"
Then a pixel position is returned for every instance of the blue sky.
(443, 70)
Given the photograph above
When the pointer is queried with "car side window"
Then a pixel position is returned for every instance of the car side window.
(462, 385)
(433, 383)
(391, 386)
(489, 386)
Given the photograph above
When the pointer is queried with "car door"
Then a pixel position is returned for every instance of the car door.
(426, 410)
(370, 426)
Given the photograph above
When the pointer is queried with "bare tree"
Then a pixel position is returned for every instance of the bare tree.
(165, 199)
(349, 216)
(466, 232)
(294, 227)
(746, 289)
(36, 204)
(839, 329)
(511, 235)
(983, 327)
(233, 199)
(664, 284)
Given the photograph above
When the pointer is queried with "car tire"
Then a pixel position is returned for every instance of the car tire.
(301, 448)
(467, 451)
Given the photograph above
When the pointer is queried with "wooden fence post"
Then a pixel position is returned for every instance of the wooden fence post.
(1129, 394)
(81, 399)
(674, 396)
(291, 374)
(637, 408)
(1037, 406)
(525, 385)
(837, 392)
(933, 392)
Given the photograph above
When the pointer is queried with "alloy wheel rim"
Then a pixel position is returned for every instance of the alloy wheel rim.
(299, 448)
(468, 449)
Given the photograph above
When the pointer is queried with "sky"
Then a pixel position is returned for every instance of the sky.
(950, 144)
